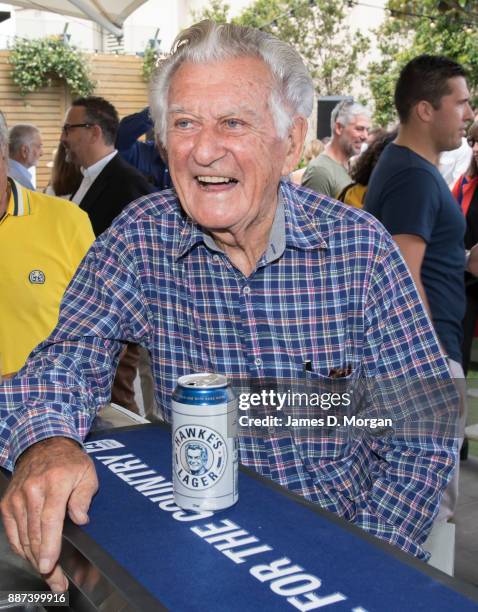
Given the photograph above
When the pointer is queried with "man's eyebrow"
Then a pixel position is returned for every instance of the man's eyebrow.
(238, 110)
(176, 108)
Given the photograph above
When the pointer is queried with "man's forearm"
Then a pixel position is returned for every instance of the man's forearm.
(132, 127)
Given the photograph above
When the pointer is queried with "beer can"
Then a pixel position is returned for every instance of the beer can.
(204, 432)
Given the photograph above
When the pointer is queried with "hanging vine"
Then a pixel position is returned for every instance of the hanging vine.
(37, 62)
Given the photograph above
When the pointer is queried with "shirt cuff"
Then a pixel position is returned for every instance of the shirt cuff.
(39, 425)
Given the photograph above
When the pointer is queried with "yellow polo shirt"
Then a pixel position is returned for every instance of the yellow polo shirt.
(42, 241)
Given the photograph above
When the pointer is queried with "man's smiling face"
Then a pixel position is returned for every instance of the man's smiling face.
(224, 155)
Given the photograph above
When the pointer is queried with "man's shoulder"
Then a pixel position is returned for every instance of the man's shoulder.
(403, 164)
(19, 173)
(401, 172)
(321, 165)
(126, 175)
(160, 210)
(49, 206)
(334, 220)
(323, 161)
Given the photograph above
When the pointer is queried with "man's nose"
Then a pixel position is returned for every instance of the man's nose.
(208, 147)
(469, 116)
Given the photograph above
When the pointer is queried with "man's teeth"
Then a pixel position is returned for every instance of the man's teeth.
(215, 179)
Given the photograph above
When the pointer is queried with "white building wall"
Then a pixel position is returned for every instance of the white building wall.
(140, 27)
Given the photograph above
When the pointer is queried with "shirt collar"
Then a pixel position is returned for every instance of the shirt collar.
(19, 204)
(17, 171)
(94, 170)
(292, 227)
(18, 167)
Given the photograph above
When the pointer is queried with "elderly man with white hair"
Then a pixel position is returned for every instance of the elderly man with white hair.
(328, 173)
(240, 273)
(25, 149)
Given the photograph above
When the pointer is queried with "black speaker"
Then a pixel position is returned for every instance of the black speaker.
(325, 106)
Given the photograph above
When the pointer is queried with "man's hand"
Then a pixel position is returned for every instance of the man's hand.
(472, 266)
(49, 477)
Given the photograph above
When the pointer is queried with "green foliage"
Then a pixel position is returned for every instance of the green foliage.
(444, 28)
(37, 62)
(150, 59)
(216, 11)
(316, 29)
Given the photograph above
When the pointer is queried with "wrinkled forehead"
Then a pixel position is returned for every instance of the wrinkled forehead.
(240, 82)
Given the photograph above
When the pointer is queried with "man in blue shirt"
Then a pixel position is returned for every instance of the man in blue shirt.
(144, 156)
(25, 148)
(409, 196)
(246, 275)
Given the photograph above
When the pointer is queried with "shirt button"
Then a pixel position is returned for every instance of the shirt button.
(216, 258)
(258, 361)
(246, 290)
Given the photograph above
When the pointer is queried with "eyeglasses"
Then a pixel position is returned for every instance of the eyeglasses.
(68, 126)
(471, 141)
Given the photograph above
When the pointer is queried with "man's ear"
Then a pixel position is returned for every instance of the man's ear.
(338, 128)
(96, 133)
(295, 143)
(24, 151)
(424, 111)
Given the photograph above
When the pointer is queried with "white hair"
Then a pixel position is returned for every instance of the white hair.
(208, 41)
(3, 135)
(21, 134)
(345, 111)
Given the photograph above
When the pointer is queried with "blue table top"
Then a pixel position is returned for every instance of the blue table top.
(268, 552)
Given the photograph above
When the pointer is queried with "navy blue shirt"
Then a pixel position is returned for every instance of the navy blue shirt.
(142, 155)
(409, 196)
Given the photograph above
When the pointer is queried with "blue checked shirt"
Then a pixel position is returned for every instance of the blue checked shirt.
(331, 288)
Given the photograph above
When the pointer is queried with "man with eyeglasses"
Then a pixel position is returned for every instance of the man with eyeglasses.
(109, 184)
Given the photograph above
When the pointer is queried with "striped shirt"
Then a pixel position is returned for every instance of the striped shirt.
(331, 290)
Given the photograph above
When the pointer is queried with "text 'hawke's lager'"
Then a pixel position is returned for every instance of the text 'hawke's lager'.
(204, 443)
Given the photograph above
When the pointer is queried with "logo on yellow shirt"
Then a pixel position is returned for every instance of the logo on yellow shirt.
(36, 277)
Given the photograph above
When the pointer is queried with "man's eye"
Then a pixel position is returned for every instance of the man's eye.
(233, 123)
(182, 123)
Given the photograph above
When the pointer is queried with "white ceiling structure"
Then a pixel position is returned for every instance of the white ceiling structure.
(109, 14)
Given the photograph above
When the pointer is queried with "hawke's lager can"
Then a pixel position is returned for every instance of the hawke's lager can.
(204, 443)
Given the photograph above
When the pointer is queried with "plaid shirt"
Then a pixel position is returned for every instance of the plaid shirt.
(336, 292)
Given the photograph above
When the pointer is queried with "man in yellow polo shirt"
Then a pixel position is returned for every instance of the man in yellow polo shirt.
(42, 241)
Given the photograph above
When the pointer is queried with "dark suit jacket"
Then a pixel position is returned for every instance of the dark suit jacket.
(115, 187)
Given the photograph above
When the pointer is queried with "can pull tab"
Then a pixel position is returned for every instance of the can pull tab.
(205, 381)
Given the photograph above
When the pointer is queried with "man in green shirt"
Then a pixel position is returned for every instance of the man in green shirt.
(328, 173)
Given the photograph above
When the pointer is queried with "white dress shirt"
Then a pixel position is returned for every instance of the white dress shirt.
(90, 174)
(452, 164)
